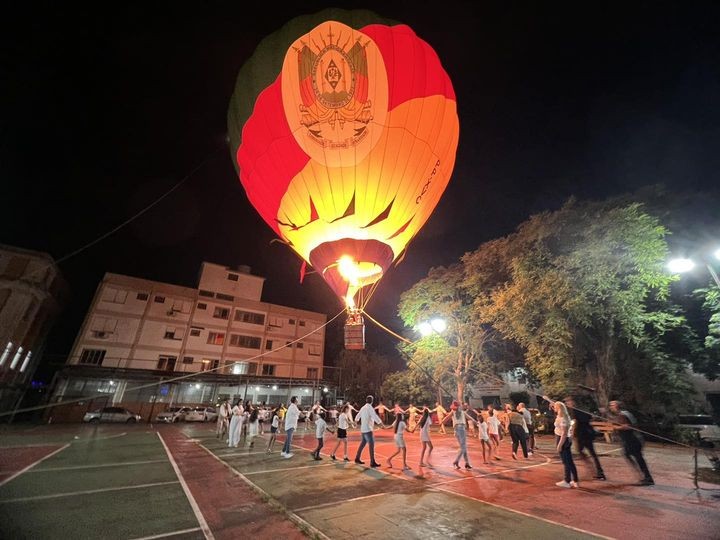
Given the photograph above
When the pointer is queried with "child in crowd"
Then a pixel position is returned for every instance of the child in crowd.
(320, 428)
(484, 438)
(400, 429)
(425, 423)
(274, 424)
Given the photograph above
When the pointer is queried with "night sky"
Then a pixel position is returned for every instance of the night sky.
(102, 112)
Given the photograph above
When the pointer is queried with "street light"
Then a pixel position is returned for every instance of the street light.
(436, 325)
(682, 265)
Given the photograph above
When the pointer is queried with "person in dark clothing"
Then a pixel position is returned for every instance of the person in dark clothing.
(585, 434)
(631, 439)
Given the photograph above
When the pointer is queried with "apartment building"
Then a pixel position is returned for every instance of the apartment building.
(144, 343)
(31, 295)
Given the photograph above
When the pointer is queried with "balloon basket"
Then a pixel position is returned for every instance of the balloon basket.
(354, 331)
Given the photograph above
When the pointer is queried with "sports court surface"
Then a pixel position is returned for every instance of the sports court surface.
(180, 481)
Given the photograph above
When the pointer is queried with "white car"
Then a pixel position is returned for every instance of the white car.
(112, 414)
(173, 414)
(201, 414)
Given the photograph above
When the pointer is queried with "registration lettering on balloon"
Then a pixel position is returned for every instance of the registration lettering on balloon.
(426, 186)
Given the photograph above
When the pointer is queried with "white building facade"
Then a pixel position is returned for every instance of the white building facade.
(144, 342)
(31, 290)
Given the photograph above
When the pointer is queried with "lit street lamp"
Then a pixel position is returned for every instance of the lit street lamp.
(435, 325)
(680, 266)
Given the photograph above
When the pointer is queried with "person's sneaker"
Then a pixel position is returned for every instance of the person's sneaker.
(332, 456)
(359, 462)
(468, 466)
(288, 455)
(530, 454)
(282, 454)
(456, 465)
(514, 455)
(574, 485)
(646, 482)
(346, 458)
(600, 476)
(317, 458)
(563, 484)
(374, 464)
(498, 458)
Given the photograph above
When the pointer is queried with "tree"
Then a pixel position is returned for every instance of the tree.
(573, 287)
(461, 349)
(361, 373)
(409, 386)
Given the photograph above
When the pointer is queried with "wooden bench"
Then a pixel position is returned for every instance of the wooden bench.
(606, 428)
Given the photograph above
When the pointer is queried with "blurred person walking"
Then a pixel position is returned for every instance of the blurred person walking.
(632, 441)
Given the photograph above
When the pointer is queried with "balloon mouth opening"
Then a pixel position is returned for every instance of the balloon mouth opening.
(348, 265)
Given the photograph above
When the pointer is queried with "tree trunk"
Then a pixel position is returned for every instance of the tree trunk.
(606, 370)
(460, 389)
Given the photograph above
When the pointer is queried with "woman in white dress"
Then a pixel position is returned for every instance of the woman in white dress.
(400, 429)
(235, 424)
(253, 423)
(425, 423)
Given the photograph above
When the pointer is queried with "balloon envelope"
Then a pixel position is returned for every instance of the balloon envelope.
(344, 130)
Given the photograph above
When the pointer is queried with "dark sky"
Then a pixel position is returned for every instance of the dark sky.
(103, 111)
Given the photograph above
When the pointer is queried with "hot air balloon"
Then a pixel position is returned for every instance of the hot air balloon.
(343, 129)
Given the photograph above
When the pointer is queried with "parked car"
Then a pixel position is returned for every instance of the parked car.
(201, 414)
(112, 414)
(173, 414)
(707, 430)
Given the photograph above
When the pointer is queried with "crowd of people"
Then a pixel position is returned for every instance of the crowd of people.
(489, 425)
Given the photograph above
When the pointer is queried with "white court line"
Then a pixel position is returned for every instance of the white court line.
(485, 475)
(166, 535)
(193, 503)
(86, 492)
(292, 515)
(336, 503)
(25, 469)
(286, 469)
(501, 507)
(118, 464)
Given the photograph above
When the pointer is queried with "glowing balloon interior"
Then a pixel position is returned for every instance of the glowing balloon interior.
(347, 151)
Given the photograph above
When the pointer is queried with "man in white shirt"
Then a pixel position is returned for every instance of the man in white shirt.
(291, 420)
(367, 418)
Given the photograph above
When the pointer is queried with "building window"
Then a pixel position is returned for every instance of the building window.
(208, 294)
(221, 313)
(202, 306)
(159, 299)
(301, 323)
(92, 356)
(188, 359)
(116, 296)
(166, 363)
(269, 344)
(314, 349)
(249, 317)
(312, 373)
(247, 342)
(233, 277)
(216, 338)
(300, 345)
(195, 331)
(173, 333)
(221, 296)
(291, 321)
(268, 369)
(142, 296)
(252, 368)
(208, 364)
(275, 322)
